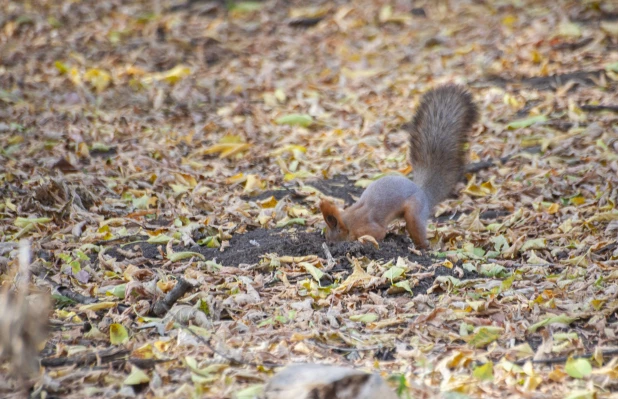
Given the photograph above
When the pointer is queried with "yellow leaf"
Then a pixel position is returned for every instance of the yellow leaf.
(604, 217)
(75, 77)
(144, 352)
(481, 190)
(557, 375)
(280, 95)
(175, 74)
(270, 202)
(484, 372)
(98, 78)
(579, 200)
(61, 67)
(98, 306)
(536, 57)
(253, 184)
(359, 277)
(237, 178)
(360, 73)
(509, 20)
(118, 335)
(553, 208)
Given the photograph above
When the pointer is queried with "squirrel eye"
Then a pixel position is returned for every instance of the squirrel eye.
(331, 221)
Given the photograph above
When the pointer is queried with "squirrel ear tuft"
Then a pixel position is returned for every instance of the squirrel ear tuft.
(331, 214)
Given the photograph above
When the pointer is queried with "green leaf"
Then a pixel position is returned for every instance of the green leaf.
(160, 239)
(100, 147)
(612, 67)
(507, 283)
(316, 273)
(250, 392)
(484, 372)
(176, 256)
(581, 394)
(288, 222)
(578, 368)
(136, 377)
(492, 270)
(303, 120)
(393, 272)
(365, 318)
(537, 243)
(75, 267)
(500, 243)
(141, 202)
(484, 336)
(118, 291)
(246, 6)
(118, 335)
(405, 284)
(562, 319)
(210, 242)
(521, 123)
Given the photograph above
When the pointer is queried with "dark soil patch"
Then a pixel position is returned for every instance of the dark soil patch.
(248, 248)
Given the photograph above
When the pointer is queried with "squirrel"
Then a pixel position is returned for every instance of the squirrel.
(438, 133)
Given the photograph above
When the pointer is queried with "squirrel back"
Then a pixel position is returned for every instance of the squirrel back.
(438, 134)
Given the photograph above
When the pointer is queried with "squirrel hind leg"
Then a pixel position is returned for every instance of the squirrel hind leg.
(417, 228)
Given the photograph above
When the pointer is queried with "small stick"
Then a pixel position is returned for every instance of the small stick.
(329, 258)
(161, 307)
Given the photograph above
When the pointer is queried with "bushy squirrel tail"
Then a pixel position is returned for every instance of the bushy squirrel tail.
(438, 134)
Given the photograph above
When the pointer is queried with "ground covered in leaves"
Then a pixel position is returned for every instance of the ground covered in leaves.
(166, 158)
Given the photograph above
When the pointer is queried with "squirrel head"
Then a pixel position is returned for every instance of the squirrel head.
(336, 230)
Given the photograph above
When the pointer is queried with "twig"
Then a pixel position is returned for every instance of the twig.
(79, 298)
(478, 166)
(104, 356)
(329, 257)
(346, 349)
(613, 108)
(161, 307)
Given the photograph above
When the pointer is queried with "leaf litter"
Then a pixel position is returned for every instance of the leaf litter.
(165, 161)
